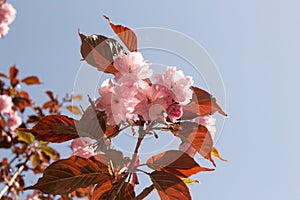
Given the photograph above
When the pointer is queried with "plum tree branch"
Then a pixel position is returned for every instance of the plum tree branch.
(12, 180)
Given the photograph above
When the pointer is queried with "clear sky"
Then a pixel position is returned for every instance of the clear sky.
(255, 45)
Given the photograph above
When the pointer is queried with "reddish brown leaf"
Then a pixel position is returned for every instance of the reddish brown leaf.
(39, 169)
(98, 51)
(13, 72)
(101, 189)
(198, 136)
(175, 162)
(48, 104)
(51, 95)
(30, 80)
(33, 119)
(54, 128)
(107, 191)
(65, 176)
(169, 187)
(25, 95)
(22, 100)
(202, 104)
(127, 36)
(83, 192)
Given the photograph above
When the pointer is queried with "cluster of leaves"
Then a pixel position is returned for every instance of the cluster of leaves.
(25, 152)
(102, 176)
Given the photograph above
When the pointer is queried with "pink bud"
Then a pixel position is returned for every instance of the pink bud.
(174, 111)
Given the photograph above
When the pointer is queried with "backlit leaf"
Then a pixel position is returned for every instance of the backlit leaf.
(216, 154)
(201, 104)
(30, 80)
(127, 36)
(175, 162)
(190, 181)
(98, 51)
(76, 98)
(65, 176)
(54, 128)
(25, 137)
(49, 151)
(74, 109)
(13, 73)
(198, 136)
(169, 187)
(35, 160)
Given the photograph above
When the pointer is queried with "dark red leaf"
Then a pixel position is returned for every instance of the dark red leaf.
(106, 190)
(98, 51)
(198, 136)
(22, 100)
(30, 80)
(32, 119)
(51, 95)
(169, 187)
(48, 104)
(202, 104)
(175, 162)
(54, 128)
(13, 72)
(102, 188)
(127, 36)
(83, 192)
(65, 176)
(3, 75)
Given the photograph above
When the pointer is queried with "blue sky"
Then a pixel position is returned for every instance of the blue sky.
(255, 45)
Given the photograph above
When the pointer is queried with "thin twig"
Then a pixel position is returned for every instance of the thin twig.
(12, 180)
(134, 156)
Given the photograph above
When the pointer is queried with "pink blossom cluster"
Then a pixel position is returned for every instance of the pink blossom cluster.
(6, 107)
(131, 93)
(7, 16)
(82, 147)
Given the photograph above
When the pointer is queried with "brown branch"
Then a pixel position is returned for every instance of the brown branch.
(12, 180)
(145, 193)
(134, 156)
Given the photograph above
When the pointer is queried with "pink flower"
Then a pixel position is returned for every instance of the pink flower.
(209, 122)
(188, 149)
(117, 102)
(132, 68)
(174, 111)
(3, 29)
(152, 101)
(82, 147)
(178, 84)
(7, 13)
(14, 121)
(5, 104)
